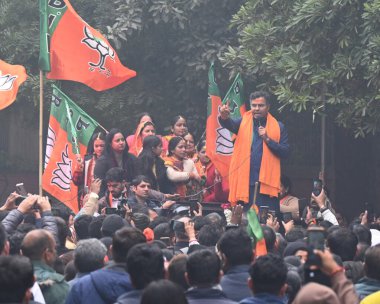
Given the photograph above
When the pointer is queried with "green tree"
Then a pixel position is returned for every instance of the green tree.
(313, 54)
(168, 42)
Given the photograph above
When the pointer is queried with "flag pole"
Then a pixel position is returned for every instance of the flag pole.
(40, 132)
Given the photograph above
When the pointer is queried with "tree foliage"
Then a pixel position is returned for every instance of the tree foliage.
(322, 55)
(168, 42)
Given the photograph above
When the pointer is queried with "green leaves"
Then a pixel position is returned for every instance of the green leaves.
(312, 52)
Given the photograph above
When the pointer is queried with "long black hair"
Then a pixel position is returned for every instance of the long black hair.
(147, 157)
(108, 150)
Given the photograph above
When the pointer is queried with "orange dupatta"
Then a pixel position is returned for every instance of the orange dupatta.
(270, 169)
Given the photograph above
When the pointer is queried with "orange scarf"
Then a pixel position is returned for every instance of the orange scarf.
(177, 165)
(137, 143)
(270, 169)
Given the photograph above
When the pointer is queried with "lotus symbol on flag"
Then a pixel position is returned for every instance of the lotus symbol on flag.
(6, 82)
(62, 176)
(49, 145)
(224, 144)
(100, 46)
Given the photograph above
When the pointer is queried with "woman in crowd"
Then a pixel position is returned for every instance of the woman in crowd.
(178, 127)
(151, 164)
(143, 117)
(216, 186)
(190, 147)
(143, 130)
(84, 170)
(115, 155)
(181, 172)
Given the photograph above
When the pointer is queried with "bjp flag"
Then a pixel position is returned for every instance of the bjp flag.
(219, 140)
(70, 49)
(70, 130)
(11, 77)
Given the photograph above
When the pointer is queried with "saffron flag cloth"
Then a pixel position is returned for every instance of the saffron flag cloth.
(70, 130)
(255, 231)
(70, 49)
(219, 140)
(11, 77)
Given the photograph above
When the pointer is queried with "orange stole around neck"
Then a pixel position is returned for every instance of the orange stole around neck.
(270, 169)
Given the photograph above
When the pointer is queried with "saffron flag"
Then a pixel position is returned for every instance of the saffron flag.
(11, 77)
(70, 130)
(70, 49)
(219, 140)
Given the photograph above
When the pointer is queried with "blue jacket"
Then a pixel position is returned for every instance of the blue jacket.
(280, 149)
(366, 286)
(234, 283)
(101, 286)
(131, 297)
(207, 296)
(264, 298)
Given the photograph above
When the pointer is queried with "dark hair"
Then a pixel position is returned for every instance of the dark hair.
(209, 235)
(15, 240)
(363, 234)
(115, 174)
(200, 221)
(200, 145)
(173, 143)
(372, 262)
(145, 264)
(268, 274)
(147, 158)
(70, 271)
(177, 269)
(174, 120)
(163, 292)
(123, 240)
(139, 179)
(3, 237)
(258, 94)
(109, 137)
(237, 246)
(63, 230)
(95, 136)
(343, 242)
(95, 227)
(89, 255)
(203, 268)
(270, 238)
(16, 277)
(147, 123)
(295, 234)
(141, 115)
(162, 230)
(81, 225)
(287, 183)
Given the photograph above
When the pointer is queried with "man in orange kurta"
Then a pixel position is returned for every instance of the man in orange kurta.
(261, 142)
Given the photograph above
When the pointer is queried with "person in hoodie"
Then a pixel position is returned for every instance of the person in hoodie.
(107, 284)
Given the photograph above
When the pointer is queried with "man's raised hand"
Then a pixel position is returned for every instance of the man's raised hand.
(224, 110)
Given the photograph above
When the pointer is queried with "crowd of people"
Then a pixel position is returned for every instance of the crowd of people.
(143, 234)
